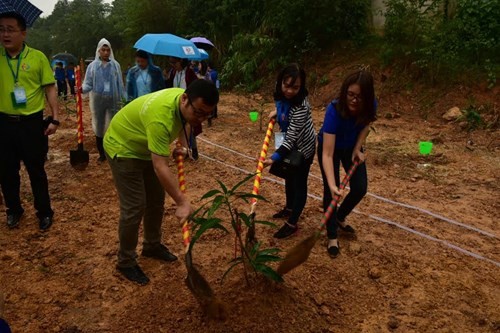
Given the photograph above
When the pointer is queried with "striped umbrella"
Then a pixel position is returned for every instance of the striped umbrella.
(22, 7)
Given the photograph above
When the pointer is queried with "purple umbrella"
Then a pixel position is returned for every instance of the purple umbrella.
(22, 7)
(202, 43)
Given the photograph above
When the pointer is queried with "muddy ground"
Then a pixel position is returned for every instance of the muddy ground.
(426, 257)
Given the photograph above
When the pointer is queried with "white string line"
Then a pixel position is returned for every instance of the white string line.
(421, 234)
(422, 210)
(373, 217)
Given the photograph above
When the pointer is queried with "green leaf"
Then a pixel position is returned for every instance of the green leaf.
(235, 263)
(211, 223)
(219, 200)
(268, 272)
(271, 224)
(210, 194)
(246, 179)
(224, 188)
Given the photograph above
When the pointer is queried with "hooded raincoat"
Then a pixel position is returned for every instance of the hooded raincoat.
(104, 82)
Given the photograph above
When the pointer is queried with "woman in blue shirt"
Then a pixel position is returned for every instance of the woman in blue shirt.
(340, 140)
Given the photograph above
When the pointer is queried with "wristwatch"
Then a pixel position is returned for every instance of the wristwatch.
(55, 122)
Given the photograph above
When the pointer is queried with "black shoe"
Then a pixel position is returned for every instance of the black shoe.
(347, 228)
(333, 250)
(45, 223)
(159, 252)
(284, 213)
(13, 220)
(134, 274)
(285, 231)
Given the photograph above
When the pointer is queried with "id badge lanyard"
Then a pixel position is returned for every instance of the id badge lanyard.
(16, 74)
(19, 94)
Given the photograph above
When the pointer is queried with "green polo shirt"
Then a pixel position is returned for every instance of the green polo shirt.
(148, 124)
(34, 74)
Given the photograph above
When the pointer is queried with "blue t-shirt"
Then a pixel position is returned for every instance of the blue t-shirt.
(282, 112)
(4, 327)
(70, 74)
(345, 129)
(60, 74)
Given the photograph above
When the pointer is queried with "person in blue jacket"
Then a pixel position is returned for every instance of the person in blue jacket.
(340, 140)
(144, 77)
(60, 76)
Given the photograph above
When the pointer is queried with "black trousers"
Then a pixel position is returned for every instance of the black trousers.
(296, 191)
(22, 139)
(62, 88)
(358, 187)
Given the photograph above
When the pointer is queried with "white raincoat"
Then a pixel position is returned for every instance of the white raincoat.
(104, 82)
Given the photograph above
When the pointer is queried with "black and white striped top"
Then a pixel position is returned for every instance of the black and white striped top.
(300, 132)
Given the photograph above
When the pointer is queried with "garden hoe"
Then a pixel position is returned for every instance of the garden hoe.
(79, 158)
(198, 285)
(250, 237)
(300, 252)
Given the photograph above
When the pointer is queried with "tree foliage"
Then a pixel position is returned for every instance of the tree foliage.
(443, 37)
(255, 37)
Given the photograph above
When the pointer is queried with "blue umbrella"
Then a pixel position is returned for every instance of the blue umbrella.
(54, 62)
(22, 7)
(168, 45)
(203, 55)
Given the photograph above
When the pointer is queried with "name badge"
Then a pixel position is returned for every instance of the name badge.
(107, 86)
(19, 97)
(279, 137)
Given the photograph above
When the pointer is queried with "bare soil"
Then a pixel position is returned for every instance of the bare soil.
(430, 266)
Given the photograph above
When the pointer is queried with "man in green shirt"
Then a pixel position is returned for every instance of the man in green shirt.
(25, 79)
(137, 145)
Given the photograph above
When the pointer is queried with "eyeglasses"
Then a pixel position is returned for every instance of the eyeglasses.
(352, 95)
(197, 112)
(8, 31)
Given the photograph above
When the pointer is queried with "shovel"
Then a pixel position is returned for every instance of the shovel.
(300, 252)
(250, 237)
(79, 158)
(198, 285)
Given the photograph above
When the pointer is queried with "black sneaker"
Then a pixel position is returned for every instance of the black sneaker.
(284, 213)
(160, 252)
(134, 274)
(285, 231)
(13, 220)
(45, 223)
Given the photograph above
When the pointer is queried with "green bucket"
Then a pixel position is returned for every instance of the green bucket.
(425, 147)
(254, 115)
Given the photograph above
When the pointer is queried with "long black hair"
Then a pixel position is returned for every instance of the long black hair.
(365, 81)
(292, 71)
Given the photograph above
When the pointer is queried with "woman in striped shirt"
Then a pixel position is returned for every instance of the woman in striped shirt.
(293, 114)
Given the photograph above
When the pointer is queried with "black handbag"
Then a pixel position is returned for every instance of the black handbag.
(288, 165)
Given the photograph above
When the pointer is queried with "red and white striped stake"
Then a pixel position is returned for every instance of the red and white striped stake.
(260, 165)
(182, 185)
(79, 105)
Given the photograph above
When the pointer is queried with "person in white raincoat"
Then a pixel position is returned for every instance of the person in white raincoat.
(104, 82)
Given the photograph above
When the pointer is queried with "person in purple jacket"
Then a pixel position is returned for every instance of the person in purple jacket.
(340, 140)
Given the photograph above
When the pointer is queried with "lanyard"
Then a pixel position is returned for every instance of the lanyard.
(145, 81)
(179, 78)
(16, 75)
